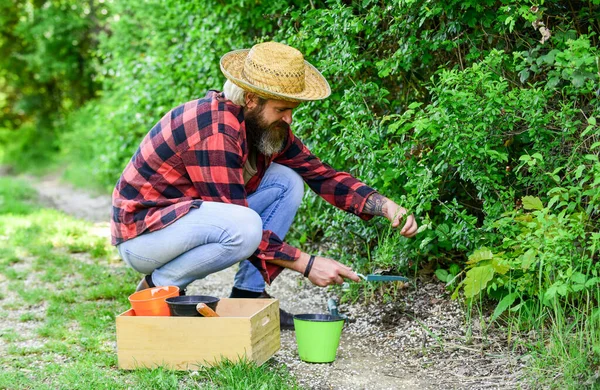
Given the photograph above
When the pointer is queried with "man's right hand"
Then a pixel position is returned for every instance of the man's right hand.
(325, 272)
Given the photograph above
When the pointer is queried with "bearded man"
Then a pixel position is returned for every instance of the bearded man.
(218, 180)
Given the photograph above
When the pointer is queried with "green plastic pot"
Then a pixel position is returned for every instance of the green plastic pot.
(318, 336)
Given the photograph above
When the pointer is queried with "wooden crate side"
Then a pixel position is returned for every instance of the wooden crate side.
(242, 307)
(265, 333)
(180, 342)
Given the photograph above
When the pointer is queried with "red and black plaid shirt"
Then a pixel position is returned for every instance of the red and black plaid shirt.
(196, 154)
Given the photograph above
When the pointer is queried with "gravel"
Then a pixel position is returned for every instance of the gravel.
(418, 341)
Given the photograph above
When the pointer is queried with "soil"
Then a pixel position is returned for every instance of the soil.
(422, 340)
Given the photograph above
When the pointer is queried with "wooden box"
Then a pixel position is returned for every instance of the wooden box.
(246, 328)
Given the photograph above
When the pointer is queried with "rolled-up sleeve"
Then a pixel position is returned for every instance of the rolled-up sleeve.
(338, 188)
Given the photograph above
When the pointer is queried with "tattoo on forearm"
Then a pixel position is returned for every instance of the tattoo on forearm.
(374, 204)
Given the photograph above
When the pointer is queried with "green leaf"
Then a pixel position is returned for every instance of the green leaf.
(528, 259)
(562, 290)
(451, 279)
(591, 282)
(550, 294)
(516, 308)
(532, 203)
(577, 287)
(579, 171)
(504, 304)
(442, 230)
(592, 121)
(553, 82)
(587, 130)
(523, 75)
(578, 80)
(455, 293)
(500, 265)
(441, 274)
(479, 255)
(454, 269)
(578, 278)
(425, 242)
(549, 58)
(477, 279)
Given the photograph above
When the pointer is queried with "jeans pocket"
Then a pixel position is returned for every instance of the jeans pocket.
(142, 264)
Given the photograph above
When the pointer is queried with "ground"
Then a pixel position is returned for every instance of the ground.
(418, 341)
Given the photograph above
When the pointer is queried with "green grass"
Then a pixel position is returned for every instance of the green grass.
(57, 310)
(562, 340)
(566, 355)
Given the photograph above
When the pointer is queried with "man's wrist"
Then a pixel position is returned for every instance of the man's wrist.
(377, 204)
(302, 262)
(309, 266)
(390, 208)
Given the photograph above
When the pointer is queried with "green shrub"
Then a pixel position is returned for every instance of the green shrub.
(545, 255)
(550, 252)
(46, 71)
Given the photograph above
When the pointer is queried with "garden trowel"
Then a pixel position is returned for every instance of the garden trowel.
(377, 278)
(382, 278)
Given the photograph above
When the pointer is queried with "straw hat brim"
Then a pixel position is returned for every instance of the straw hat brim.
(315, 85)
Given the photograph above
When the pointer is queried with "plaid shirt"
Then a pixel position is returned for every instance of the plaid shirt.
(196, 154)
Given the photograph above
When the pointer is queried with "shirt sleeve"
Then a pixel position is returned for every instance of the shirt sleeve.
(338, 188)
(215, 166)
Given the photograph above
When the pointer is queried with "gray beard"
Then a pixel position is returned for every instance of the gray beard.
(268, 139)
(270, 142)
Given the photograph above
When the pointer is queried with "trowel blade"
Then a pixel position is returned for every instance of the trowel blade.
(386, 278)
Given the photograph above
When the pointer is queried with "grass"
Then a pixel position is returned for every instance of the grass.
(60, 290)
(566, 353)
(561, 339)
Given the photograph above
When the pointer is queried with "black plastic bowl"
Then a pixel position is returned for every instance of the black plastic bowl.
(185, 306)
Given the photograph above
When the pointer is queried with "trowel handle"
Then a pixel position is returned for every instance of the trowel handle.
(205, 310)
(332, 307)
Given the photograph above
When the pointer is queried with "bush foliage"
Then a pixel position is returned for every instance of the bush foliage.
(46, 72)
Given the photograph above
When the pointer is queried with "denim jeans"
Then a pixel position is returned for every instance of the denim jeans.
(218, 235)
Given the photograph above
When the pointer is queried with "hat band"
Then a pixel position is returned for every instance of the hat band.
(278, 81)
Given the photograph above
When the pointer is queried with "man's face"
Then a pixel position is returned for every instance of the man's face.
(267, 124)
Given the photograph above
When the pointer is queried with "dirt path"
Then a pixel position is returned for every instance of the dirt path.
(417, 342)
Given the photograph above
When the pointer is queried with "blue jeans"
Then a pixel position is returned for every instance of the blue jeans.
(218, 235)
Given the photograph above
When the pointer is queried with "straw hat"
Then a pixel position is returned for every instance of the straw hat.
(275, 71)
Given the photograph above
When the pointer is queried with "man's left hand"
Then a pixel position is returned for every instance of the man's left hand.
(396, 214)
(378, 204)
